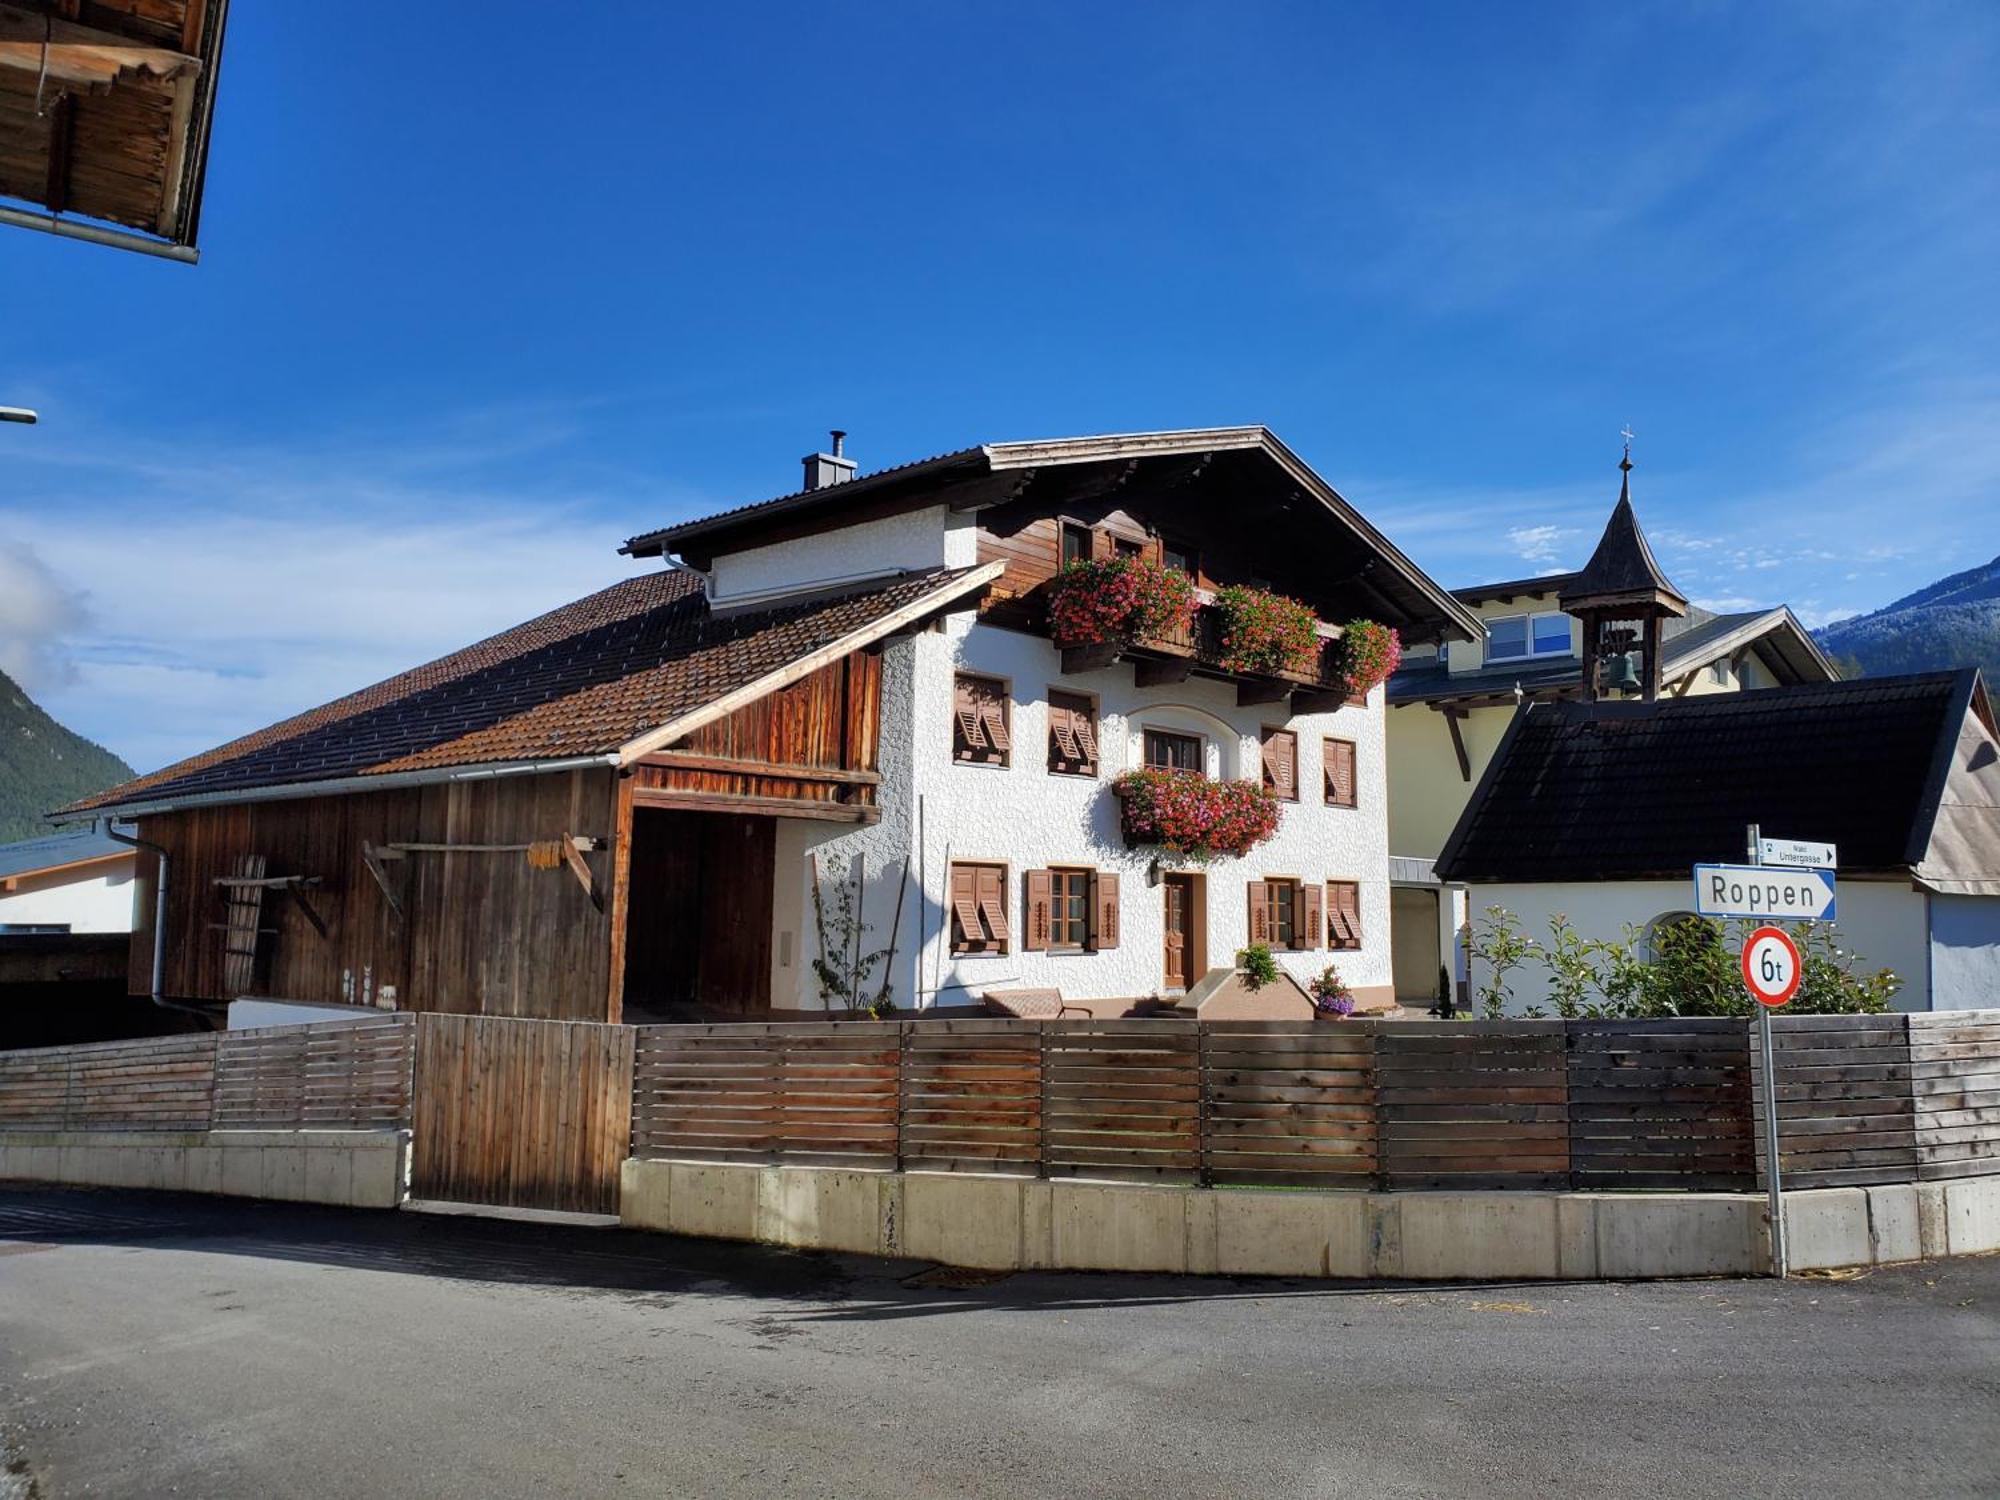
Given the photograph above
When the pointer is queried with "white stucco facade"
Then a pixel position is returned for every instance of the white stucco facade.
(920, 539)
(936, 811)
(95, 897)
(1884, 922)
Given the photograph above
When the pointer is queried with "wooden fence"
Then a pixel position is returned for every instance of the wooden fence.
(350, 1076)
(1509, 1104)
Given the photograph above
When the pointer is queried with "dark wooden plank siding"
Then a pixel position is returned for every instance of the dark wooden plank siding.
(479, 932)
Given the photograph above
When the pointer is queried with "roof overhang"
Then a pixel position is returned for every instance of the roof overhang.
(1776, 631)
(956, 477)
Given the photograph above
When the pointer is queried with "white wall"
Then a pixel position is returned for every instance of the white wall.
(1965, 952)
(91, 898)
(868, 549)
(1883, 921)
(1022, 815)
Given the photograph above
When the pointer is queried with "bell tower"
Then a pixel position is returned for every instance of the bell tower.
(1621, 596)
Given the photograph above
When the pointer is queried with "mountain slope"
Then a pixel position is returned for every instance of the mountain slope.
(1954, 622)
(43, 765)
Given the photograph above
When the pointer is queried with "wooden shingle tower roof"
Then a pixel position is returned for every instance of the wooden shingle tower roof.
(1622, 573)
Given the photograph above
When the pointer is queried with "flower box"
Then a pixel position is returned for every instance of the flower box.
(1366, 656)
(1266, 634)
(1187, 813)
(1112, 600)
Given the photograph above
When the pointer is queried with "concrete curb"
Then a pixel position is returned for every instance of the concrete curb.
(1013, 1223)
(345, 1168)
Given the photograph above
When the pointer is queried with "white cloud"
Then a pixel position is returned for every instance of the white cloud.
(1539, 544)
(38, 612)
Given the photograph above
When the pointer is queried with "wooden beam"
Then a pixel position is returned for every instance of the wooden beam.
(1080, 659)
(687, 760)
(66, 53)
(675, 800)
(1255, 690)
(371, 860)
(573, 857)
(1317, 700)
(1161, 671)
(1451, 718)
(62, 138)
(400, 848)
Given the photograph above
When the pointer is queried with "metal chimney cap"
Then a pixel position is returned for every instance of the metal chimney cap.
(839, 437)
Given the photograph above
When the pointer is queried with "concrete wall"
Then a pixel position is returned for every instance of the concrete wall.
(346, 1168)
(91, 898)
(1882, 921)
(935, 811)
(1012, 1223)
(1965, 952)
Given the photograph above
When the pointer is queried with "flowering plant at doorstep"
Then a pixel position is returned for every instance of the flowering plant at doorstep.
(1266, 633)
(1189, 814)
(1116, 598)
(1330, 994)
(1257, 967)
(1367, 655)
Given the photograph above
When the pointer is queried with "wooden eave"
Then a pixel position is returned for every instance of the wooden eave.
(105, 112)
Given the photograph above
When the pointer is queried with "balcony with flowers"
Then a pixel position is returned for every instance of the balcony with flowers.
(1273, 647)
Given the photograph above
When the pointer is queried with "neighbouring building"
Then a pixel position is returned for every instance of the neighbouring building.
(65, 912)
(835, 733)
(76, 882)
(1601, 811)
(1449, 706)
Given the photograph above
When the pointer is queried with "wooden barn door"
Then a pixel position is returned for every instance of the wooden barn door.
(523, 1114)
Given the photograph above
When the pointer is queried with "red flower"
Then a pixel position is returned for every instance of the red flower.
(1186, 812)
(1265, 633)
(1117, 598)
(1367, 655)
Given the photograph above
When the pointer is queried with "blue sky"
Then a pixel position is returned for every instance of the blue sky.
(483, 292)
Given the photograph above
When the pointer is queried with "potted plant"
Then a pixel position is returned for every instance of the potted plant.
(1266, 634)
(1332, 999)
(1114, 599)
(1367, 655)
(1257, 966)
(1186, 812)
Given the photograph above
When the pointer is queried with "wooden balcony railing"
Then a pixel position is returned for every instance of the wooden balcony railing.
(1160, 659)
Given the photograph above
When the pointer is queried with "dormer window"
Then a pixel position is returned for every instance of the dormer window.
(1518, 637)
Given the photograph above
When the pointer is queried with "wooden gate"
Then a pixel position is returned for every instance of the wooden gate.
(525, 1114)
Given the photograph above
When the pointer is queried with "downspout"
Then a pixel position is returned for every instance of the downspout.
(158, 995)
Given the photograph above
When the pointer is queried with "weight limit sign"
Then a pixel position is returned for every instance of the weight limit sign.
(1771, 967)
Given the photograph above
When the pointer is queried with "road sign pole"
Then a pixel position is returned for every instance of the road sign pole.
(1773, 1186)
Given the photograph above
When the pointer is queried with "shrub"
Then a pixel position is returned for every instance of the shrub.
(1117, 598)
(1501, 944)
(1266, 633)
(1367, 655)
(1257, 966)
(1186, 812)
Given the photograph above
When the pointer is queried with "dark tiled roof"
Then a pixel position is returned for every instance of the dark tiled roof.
(1625, 791)
(1429, 681)
(1512, 588)
(1623, 565)
(57, 850)
(586, 679)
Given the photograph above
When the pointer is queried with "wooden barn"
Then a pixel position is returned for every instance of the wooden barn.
(573, 820)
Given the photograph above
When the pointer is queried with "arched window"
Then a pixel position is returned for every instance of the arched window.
(1664, 923)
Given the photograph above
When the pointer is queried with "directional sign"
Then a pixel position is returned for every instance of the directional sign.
(1755, 891)
(1771, 967)
(1800, 854)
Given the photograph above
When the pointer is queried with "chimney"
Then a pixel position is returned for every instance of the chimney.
(823, 469)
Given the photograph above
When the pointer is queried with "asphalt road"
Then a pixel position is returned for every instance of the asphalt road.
(157, 1345)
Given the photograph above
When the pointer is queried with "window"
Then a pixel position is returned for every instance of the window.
(1281, 762)
(978, 908)
(979, 720)
(1125, 546)
(1181, 559)
(1343, 914)
(1075, 543)
(1284, 913)
(1169, 751)
(1516, 637)
(1071, 910)
(1072, 734)
(1551, 633)
(1339, 771)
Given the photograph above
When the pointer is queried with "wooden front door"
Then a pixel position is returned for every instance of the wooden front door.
(1178, 893)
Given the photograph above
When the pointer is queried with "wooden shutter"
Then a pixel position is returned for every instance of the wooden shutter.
(990, 891)
(964, 906)
(1035, 930)
(1281, 762)
(1309, 931)
(1350, 898)
(1340, 789)
(1062, 725)
(965, 707)
(993, 718)
(1103, 910)
(1260, 912)
(1083, 724)
(1343, 899)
